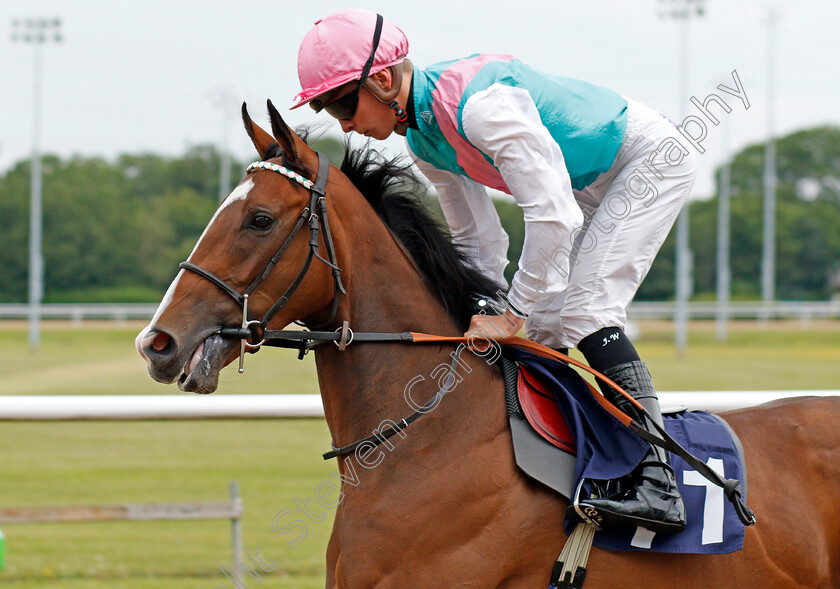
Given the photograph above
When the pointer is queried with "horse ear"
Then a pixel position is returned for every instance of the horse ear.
(262, 140)
(284, 135)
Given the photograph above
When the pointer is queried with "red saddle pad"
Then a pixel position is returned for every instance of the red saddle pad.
(542, 411)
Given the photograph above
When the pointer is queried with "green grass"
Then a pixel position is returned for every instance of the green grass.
(107, 462)
(774, 356)
(275, 461)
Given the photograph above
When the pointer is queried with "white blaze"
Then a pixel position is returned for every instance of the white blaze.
(164, 303)
(239, 193)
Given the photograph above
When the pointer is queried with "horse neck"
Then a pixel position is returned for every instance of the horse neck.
(365, 385)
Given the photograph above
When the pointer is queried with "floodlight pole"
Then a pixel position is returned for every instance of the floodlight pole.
(37, 32)
(224, 162)
(768, 265)
(225, 99)
(724, 273)
(684, 11)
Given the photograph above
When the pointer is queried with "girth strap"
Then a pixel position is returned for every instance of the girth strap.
(569, 571)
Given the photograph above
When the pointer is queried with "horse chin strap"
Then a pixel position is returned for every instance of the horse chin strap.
(252, 332)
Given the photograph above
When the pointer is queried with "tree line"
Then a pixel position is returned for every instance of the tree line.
(115, 231)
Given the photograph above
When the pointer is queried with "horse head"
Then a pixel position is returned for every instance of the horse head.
(248, 247)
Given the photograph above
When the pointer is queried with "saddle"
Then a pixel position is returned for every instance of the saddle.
(549, 412)
(543, 443)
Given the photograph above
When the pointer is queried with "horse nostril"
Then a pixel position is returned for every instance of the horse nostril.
(158, 345)
(161, 341)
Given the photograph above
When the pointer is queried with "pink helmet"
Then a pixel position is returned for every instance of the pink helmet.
(336, 49)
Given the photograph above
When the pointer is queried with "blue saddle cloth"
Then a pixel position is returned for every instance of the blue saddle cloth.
(607, 449)
(712, 526)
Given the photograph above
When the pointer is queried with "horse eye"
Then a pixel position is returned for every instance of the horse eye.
(261, 222)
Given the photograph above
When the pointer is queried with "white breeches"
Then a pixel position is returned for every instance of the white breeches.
(629, 211)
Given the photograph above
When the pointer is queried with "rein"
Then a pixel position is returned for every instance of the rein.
(304, 340)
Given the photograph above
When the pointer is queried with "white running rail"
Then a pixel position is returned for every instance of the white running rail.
(188, 406)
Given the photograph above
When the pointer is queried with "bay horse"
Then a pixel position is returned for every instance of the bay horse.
(442, 504)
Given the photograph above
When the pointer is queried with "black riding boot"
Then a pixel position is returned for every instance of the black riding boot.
(653, 500)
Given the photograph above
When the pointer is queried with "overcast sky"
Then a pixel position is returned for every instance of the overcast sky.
(150, 76)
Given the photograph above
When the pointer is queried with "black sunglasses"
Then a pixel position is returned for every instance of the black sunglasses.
(344, 107)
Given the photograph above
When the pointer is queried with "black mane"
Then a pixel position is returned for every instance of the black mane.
(394, 191)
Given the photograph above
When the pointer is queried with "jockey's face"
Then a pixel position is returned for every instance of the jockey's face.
(372, 118)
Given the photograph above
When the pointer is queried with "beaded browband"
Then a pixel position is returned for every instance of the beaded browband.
(308, 184)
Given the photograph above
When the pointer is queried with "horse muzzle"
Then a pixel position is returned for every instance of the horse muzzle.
(195, 367)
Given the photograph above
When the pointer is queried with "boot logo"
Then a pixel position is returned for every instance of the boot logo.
(593, 515)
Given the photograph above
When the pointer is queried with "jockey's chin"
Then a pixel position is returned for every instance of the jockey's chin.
(379, 135)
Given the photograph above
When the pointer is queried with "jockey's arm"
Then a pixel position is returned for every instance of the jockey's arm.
(473, 221)
(503, 122)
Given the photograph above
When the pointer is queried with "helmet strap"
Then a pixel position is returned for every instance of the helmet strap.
(389, 97)
(377, 32)
(401, 115)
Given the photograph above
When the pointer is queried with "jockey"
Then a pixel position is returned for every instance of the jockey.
(600, 180)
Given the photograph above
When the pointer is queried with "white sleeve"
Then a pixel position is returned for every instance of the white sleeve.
(472, 219)
(503, 122)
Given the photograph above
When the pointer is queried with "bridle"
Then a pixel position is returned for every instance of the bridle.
(252, 332)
